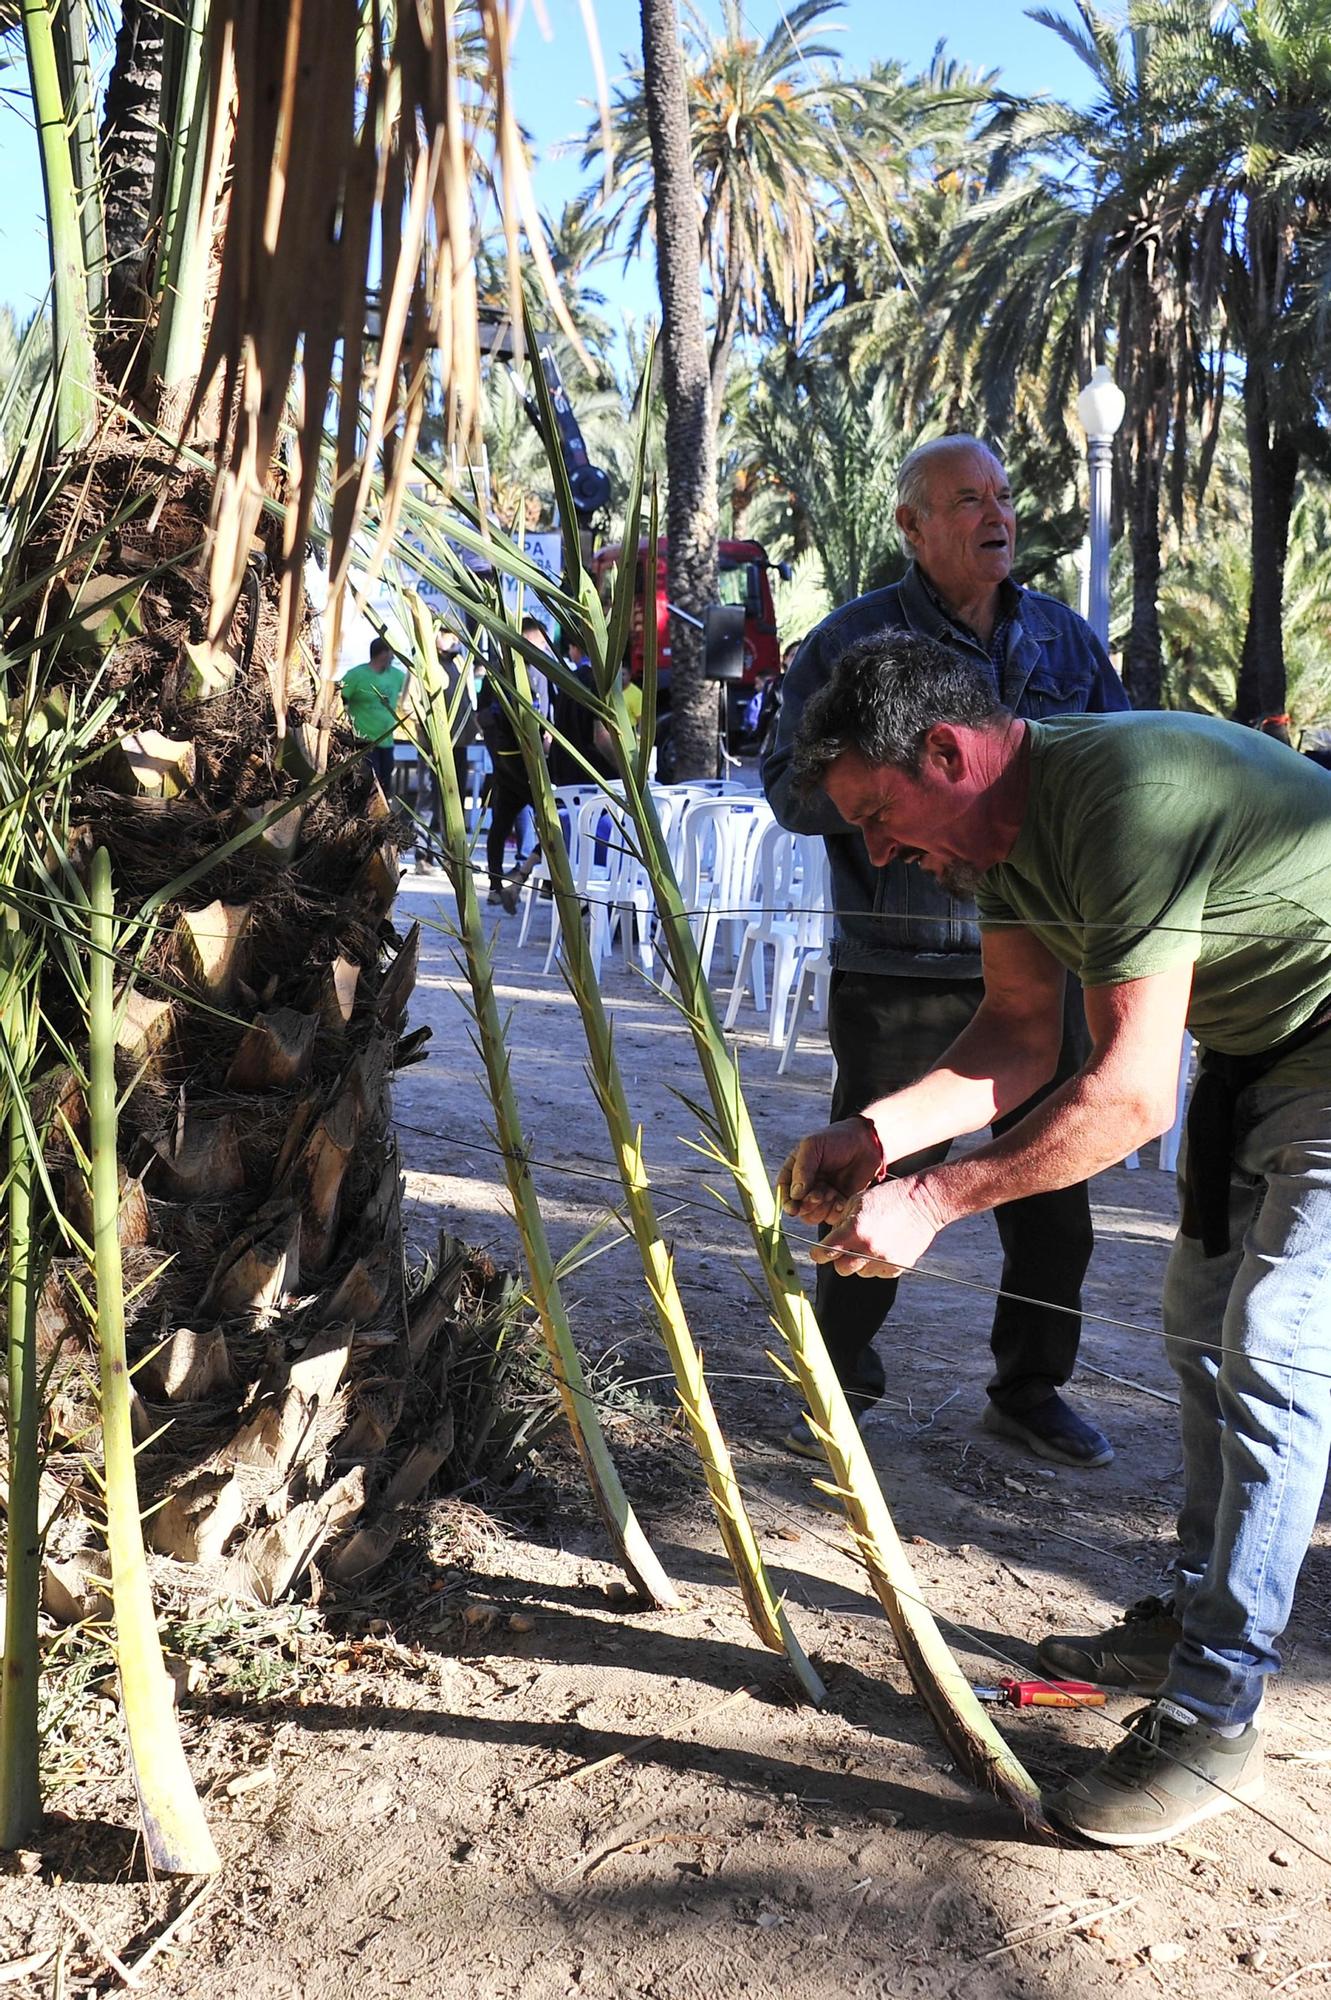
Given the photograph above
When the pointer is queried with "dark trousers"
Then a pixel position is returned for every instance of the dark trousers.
(510, 794)
(381, 759)
(885, 1033)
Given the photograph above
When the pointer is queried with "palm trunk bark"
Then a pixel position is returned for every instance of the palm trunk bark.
(691, 506)
(129, 150)
(1273, 471)
(1150, 370)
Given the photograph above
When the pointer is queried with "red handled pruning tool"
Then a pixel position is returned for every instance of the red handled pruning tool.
(1043, 1694)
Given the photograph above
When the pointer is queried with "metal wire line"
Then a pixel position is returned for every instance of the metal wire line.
(726, 913)
(976, 1642)
(720, 1208)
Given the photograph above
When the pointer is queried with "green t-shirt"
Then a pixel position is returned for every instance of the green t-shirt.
(371, 700)
(1155, 840)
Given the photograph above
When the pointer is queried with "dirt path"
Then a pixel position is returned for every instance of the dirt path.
(411, 1816)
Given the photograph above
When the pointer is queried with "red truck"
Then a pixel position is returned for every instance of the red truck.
(742, 578)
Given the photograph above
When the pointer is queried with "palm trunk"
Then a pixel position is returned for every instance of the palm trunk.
(129, 147)
(1273, 471)
(1150, 373)
(691, 508)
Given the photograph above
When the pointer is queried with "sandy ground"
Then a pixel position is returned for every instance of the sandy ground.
(413, 1814)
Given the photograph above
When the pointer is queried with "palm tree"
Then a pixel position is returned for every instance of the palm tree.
(764, 165)
(1084, 246)
(691, 510)
(1246, 136)
(260, 1176)
(834, 446)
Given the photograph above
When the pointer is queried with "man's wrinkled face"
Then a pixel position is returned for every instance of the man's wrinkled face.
(965, 539)
(905, 817)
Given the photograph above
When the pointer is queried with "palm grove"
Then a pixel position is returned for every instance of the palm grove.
(886, 256)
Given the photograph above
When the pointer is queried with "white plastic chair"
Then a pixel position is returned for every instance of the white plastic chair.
(568, 798)
(715, 837)
(775, 919)
(813, 979)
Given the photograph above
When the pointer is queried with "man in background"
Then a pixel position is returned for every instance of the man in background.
(510, 793)
(372, 699)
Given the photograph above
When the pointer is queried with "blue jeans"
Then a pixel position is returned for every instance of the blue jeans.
(1256, 1430)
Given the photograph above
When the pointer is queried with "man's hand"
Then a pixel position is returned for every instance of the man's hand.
(828, 1169)
(887, 1230)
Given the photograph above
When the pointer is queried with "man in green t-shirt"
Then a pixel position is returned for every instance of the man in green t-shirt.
(1181, 867)
(372, 698)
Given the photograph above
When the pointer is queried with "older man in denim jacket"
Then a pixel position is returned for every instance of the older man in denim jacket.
(905, 953)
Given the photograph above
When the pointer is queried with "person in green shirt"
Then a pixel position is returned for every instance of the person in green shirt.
(372, 697)
(1181, 867)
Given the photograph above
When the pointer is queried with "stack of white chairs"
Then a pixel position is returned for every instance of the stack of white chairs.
(814, 974)
(569, 799)
(775, 917)
(717, 834)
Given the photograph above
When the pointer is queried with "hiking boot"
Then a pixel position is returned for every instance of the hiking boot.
(1052, 1430)
(1132, 1654)
(1170, 1770)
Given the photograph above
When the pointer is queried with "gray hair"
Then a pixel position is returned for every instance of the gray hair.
(885, 694)
(913, 475)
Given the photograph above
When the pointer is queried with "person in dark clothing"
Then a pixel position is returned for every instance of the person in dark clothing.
(905, 953)
(510, 793)
(455, 663)
(577, 734)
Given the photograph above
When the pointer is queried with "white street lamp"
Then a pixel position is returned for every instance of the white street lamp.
(1100, 407)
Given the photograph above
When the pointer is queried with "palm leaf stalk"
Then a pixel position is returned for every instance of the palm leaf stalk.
(76, 408)
(630, 1543)
(175, 1830)
(766, 1612)
(20, 1783)
(966, 1730)
(178, 340)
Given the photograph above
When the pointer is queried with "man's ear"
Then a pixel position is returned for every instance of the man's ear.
(942, 748)
(906, 521)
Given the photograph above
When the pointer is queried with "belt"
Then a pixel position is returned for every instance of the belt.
(1220, 1079)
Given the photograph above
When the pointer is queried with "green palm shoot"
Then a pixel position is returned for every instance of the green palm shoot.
(766, 1612)
(630, 1543)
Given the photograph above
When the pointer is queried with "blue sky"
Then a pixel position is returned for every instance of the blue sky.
(554, 87)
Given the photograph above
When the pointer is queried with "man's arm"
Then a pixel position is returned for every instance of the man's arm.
(806, 674)
(1123, 1096)
(1001, 1058)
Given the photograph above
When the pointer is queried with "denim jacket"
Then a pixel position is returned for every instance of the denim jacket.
(898, 919)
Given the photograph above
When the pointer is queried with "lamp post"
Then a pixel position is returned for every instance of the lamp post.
(1100, 407)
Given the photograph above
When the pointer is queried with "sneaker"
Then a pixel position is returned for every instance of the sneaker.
(1169, 1771)
(496, 895)
(1132, 1654)
(1052, 1430)
(803, 1440)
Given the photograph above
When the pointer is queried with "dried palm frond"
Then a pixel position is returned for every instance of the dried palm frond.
(371, 199)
